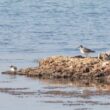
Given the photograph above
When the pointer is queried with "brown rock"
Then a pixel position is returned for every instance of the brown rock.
(73, 68)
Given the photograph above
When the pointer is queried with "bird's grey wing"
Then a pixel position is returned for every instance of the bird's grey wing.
(88, 50)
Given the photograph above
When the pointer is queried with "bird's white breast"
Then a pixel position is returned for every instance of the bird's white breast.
(12, 69)
(81, 50)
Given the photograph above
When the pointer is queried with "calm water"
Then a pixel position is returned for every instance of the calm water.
(33, 29)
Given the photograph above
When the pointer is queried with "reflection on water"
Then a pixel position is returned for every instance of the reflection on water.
(34, 29)
(51, 93)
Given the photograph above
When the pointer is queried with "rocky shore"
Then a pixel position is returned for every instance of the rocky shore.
(71, 68)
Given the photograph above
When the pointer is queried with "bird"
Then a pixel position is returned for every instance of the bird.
(13, 69)
(85, 50)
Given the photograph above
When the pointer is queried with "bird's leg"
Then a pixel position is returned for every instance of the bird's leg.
(86, 55)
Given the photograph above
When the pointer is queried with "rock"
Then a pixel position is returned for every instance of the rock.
(104, 56)
(71, 68)
(99, 75)
(105, 63)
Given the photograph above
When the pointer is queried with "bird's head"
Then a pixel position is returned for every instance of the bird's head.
(11, 66)
(80, 46)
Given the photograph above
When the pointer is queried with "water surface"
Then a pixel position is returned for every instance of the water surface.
(35, 29)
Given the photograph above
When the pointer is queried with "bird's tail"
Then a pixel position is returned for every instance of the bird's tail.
(93, 51)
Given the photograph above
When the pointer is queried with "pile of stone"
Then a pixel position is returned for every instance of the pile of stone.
(72, 68)
(104, 56)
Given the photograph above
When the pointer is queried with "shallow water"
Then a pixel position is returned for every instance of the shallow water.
(35, 29)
